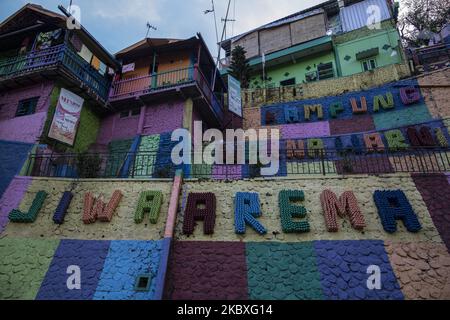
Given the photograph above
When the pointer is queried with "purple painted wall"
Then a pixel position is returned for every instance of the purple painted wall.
(11, 198)
(159, 118)
(305, 130)
(28, 128)
(164, 117)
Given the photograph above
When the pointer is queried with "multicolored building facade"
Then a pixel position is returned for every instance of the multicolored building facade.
(362, 188)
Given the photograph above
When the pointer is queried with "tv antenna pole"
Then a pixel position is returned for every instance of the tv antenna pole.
(213, 10)
(218, 45)
(150, 27)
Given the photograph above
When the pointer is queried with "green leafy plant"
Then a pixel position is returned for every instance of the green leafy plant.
(88, 165)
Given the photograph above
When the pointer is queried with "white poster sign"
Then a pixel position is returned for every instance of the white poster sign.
(67, 116)
(234, 96)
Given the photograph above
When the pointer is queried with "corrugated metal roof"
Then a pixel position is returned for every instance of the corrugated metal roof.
(357, 15)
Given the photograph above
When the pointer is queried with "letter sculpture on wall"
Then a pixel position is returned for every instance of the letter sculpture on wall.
(420, 138)
(385, 103)
(247, 209)
(194, 213)
(289, 211)
(149, 201)
(31, 215)
(346, 205)
(409, 95)
(392, 206)
(95, 208)
(63, 205)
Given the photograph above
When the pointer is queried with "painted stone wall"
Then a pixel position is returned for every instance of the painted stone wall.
(314, 265)
(158, 118)
(37, 269)
(111, 255)
(27, 128)
(122, 226)
(12, 157)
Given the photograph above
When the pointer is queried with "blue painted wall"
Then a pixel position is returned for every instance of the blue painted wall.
(12, 157)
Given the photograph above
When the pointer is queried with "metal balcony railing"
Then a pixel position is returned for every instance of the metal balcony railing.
(56, 56)
(143, 85)
(292, 162)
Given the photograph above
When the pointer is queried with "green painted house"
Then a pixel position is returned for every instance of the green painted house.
(333, 39)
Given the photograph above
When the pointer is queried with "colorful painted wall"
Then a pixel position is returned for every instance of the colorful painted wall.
(111, 255)
(29, 128)
(310, 265)
(291, 237)
(349, 45)
(283, 264)
(157, 119)
(292, 70)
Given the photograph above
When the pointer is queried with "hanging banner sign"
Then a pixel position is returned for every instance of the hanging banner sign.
(234, 96)
(128, 67)
(66, 119)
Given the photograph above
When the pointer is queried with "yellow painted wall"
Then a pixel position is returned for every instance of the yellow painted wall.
(363, 187)
(122, 226)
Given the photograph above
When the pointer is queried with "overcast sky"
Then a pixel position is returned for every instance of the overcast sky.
(120, 23)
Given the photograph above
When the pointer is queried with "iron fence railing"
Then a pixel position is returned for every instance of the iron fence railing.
(291, 162)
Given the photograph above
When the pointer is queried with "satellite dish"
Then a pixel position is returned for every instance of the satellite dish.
(329, 32)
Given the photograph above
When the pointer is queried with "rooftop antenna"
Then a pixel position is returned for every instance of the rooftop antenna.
(234, 18)
(150, 27)
(213, 10)
(218, 45)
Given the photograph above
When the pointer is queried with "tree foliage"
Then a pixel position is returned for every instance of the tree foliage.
(419, 19)
(239, 67)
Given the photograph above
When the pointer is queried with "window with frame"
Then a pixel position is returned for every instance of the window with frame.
(288, 82)
(27, 107)
(130, 113)
(368, 65)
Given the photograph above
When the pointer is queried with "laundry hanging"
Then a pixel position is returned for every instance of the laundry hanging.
(95, 63)
(76, 42)
(102, 68)
(85, 53)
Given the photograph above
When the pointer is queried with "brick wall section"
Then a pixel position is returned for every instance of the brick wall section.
(27, 128)
(434, 87)
(207, 271)
(435, 191)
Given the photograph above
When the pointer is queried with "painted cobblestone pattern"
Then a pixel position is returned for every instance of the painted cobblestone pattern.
(23, 266)
(343, 269)
(12, 157)
(89, 256)
(11, 198)
(207, 270)
(283, 271)
(37, 269)
(422, 269)
(435, 191)
(126, 260)
(122, 226)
